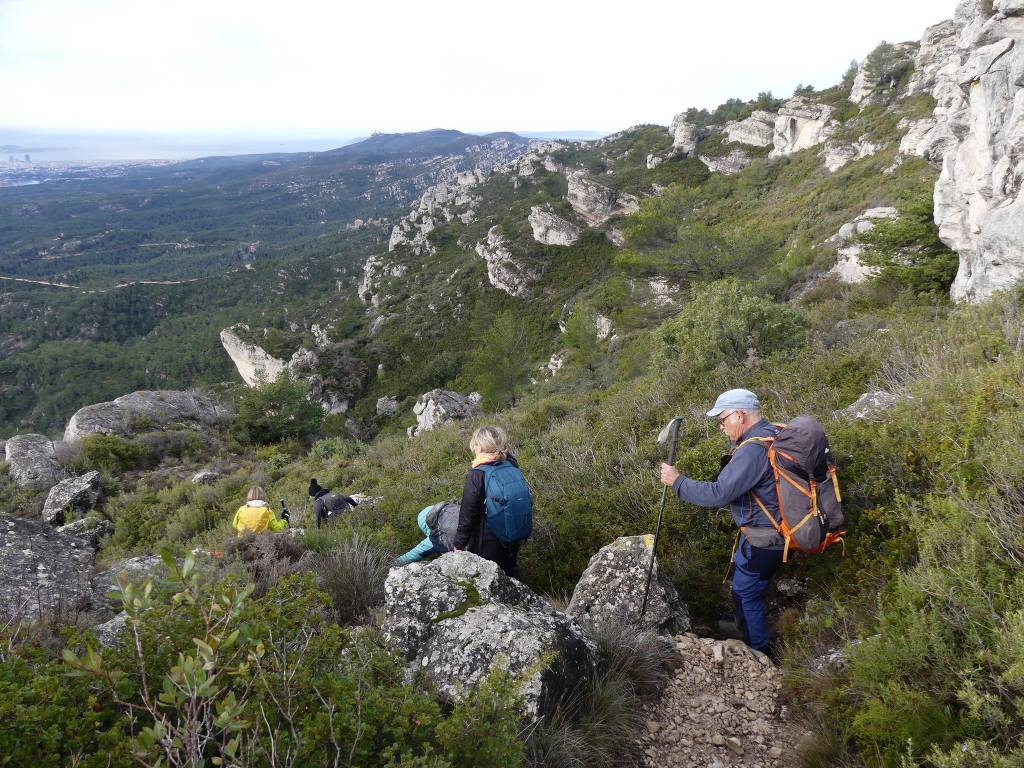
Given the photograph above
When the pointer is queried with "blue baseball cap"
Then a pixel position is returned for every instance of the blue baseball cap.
(736, 400)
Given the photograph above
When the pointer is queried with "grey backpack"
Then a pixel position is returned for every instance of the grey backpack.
(443, 522)
(810, 504)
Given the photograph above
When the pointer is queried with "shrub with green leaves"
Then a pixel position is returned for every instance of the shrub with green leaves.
(275, 411)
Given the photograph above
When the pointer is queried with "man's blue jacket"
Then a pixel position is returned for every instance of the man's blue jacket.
(749, 470)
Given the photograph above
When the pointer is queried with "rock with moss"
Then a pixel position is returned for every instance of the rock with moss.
(41, 570)
(32, 461)
(611, 590)
(595, 202)
(504, 272)
(77, 494)
(457, 617)
(91, 529)
(728, 165)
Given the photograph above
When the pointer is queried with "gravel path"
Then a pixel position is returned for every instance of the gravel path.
(720, 709)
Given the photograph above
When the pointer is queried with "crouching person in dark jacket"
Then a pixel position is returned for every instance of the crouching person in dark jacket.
(759, 548)
(439, 523)
(327, 504)
(496, 513)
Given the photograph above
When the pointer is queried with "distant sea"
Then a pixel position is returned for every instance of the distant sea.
(95, 148)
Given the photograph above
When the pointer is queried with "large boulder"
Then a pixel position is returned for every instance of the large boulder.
(254, 363)
(503, 271)
(551, 229)
(596, 203)
(32, 461)
(134, 570)
(729, 164)
(611, 590)
(758, 130)
(147, 410)
(459, 616)
(685, 135)
(79, 494)
(41, 570)
(442, 406)
(91, 530)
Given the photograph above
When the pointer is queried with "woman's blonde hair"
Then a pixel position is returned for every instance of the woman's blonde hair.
(256, 493)
(489, 439)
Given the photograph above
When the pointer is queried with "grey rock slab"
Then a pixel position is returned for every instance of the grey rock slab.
(79, 494)
(32, 461)
(205, 477)
(108, 632)
(89, 529)
(611, 590)
(41, 570)
(146, 410)
(134, 570)
(458, 617)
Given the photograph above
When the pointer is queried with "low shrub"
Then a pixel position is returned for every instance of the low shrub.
(353, 574)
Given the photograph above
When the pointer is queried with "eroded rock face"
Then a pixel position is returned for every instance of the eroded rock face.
(457, 617)
(41, 570)
(80, 494)
(32, 461)
(728, 165)
(387, 406)
(848, 267)
(441, 203)
(758, 130)
(595, 202)
(503, 271)
(611, 590)
(978, 203)
(551, 229)
(869, 91)
(685, 135)
(251, 360)
(837, 154)
(800, 124)
(147, 410)
(442, 406)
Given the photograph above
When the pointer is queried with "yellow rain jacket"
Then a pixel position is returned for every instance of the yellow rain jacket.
(257, 516)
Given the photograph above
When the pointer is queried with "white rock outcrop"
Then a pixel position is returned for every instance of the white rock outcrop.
(503, 271)
(848, 267)
(758, 130)
(801, 124)
(595, 202)
(685, 135)
(551, 229)
(837, 154)
(439, 204)
(867, 88)
(251, 360)
(978, 203)
(442, 406)
(728, 165)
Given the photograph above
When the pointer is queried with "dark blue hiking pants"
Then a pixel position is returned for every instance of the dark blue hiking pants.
(752, 573)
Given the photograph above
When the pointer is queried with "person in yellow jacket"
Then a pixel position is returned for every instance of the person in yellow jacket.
(256, 515)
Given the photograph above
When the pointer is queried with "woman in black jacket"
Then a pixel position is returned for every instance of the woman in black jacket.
(490, 446)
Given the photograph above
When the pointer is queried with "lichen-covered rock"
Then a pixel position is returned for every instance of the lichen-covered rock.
(303, 361)
(90, 529)
(252, 361)
(801, 124)
(41, 570)
(870, 405)
(442, 406)
(387, 405)
(551, 229)
(611, 590)
(205, 477)
(80, 494)
(727, 165)
(147, 410)
(459, 616)
(32, 461)
(108, 632)
(595, 202)
(503, 271)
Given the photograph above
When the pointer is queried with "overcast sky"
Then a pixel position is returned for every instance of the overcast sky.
(298, 67)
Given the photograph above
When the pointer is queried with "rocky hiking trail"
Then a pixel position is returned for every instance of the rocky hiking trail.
(721, 708)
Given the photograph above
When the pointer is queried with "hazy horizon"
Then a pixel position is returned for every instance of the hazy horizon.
(324, 70)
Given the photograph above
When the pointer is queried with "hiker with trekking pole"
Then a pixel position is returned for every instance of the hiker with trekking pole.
(780, 486)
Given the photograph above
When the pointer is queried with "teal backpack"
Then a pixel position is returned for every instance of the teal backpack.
(509, 506)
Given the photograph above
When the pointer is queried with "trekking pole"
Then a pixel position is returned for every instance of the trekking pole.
(669, 434)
